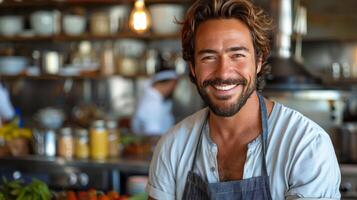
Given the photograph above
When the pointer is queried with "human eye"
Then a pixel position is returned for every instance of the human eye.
(208, 58)
(237, 55)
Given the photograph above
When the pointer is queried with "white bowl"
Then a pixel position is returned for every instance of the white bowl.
(11, 25)
(73, 24)
(163, 17)
(130, 47)
(44, 23)
(12, 65)
(51, 118)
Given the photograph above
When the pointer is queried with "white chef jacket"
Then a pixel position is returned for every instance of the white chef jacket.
(153, 115)
(301, 162)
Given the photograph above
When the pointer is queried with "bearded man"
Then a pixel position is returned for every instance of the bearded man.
(242, 146)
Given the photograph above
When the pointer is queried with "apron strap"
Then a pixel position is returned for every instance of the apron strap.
(264, 119)
(199, 140)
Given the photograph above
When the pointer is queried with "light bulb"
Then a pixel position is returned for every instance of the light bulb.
(140, 20)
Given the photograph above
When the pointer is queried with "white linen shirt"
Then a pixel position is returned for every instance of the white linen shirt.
(153, 114)
(301, 162)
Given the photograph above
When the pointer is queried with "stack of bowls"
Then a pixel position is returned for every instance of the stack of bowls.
(11, 25)
(45, 23)
(73, 24)
(12, 65)
(163, 17)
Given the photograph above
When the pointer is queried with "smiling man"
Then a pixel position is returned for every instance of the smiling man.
(242, 146)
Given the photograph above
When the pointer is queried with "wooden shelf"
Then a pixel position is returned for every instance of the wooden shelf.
(62, 37)
(66, 3)
(346, 82)
(326, 38)
(96, 76)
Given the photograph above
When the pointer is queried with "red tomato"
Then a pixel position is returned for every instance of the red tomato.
(103, 197)
(71, 195)
(113, 195)
(83, 195)
(92, 194)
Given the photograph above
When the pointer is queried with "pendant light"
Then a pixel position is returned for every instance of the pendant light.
(140, 20)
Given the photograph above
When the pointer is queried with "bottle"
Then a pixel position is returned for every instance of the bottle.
(66, 143)
(113, 139)
(81, 150)
(107, 59)
(98, 140)
(49, 142)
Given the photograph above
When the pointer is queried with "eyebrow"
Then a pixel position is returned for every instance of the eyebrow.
(237, 48)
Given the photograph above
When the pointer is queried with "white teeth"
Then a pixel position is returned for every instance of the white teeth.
(224, 87)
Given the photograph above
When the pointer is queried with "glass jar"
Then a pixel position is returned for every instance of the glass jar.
(65, 143)
(113, 139)
(81, 144)
(99, 23)
(98, 141)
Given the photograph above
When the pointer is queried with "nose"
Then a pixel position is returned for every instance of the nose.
(224, 67)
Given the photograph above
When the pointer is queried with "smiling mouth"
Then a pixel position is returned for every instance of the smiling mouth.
(224, 87)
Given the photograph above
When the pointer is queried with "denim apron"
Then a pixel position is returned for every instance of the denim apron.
(256, 188)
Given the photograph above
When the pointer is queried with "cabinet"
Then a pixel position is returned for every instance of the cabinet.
(27, 41)
(33, 92)
(329, 47)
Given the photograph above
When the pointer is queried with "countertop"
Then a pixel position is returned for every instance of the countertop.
(132, 164)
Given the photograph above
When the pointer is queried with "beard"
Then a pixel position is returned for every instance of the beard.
(233, 108)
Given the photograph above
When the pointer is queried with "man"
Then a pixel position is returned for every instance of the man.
(243, 146)
(153, 115)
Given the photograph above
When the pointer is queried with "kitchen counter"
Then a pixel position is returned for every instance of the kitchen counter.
(133, 164)
(60, 173)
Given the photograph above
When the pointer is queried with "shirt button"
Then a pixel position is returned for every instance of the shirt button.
(213, 169)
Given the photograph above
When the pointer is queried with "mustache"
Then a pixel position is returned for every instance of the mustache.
(219, 81)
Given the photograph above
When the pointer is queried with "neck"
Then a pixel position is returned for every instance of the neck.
(244, 126)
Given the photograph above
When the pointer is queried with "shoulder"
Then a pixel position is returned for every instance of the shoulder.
(293, 124)
(177, 144)
(184, 131)
(149, 102)
(173, 151)
(151, 94)
(297, 138)
(305, 153)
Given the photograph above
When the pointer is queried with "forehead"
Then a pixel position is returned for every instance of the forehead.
(222, 33)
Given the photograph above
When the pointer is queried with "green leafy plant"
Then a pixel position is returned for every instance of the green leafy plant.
(17, 190)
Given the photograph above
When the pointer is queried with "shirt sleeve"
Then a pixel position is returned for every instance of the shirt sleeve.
(161, 184)
(314, 171)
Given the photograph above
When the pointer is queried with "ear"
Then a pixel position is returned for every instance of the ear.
(259, 64)
(192, 69)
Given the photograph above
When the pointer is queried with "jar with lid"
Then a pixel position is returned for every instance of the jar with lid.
(98, 141)
(81, 144)
(65, 143)
(113, 139)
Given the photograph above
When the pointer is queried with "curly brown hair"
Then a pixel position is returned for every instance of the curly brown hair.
(259, 24)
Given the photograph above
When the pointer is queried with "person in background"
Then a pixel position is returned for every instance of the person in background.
(243, 146)
(7, 111)
(153, 114)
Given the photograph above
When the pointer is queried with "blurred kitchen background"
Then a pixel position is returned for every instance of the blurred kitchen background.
(75, 63)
